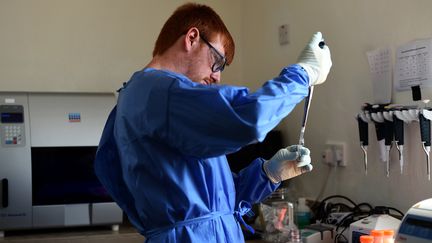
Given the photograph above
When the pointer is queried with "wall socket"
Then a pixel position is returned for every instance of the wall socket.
(334, 154)
(283, 34)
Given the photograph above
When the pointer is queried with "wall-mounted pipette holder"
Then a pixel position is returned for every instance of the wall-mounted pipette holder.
(389, 121)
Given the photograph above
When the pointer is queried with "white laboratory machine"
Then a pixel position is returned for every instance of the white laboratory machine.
(416, 226)
(373, 222)
(47, 148)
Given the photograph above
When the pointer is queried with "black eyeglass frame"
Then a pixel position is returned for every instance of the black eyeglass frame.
(217, 66)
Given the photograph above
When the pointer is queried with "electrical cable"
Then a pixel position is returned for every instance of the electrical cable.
(394, 209)
(340, 196)
(336, 240)
(322, 213)
(325, 211)
(324, 185)
(343, 220)
(339, 234)
(364, 204)
(342, 205)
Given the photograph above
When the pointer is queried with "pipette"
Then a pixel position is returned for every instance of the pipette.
(388, 139)
(399, 137)
(364, 137)
(426, 139)
(380, 132)
(305, 115)
(308, 100)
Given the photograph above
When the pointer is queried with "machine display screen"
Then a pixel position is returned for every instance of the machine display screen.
(65, 175)
(417, 226)
(8, 117)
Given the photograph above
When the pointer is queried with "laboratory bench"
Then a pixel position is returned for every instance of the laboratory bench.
(100, 234)
(125, 234)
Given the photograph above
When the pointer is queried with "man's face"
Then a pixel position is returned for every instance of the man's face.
(208, 62)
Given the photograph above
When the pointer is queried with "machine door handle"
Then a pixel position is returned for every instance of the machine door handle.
(5, 193)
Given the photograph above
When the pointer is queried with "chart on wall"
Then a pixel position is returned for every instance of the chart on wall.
(413, 65)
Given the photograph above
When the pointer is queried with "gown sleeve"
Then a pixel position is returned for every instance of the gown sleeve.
(211, 121)
(252, 184)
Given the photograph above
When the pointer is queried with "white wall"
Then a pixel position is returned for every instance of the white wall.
(350, 29)
(81, 45)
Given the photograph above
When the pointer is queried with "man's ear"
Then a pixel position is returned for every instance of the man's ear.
(192, 38)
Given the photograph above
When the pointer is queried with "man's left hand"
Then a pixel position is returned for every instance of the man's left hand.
(285, 163)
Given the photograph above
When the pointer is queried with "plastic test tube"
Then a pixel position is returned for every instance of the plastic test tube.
(366, 239)
(388, 236)
(377, 235)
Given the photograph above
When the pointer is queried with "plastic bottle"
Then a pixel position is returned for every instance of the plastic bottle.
(378, 235)
(366, 239)
(303, 213)
(388, 236)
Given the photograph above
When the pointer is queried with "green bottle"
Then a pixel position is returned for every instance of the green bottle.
(303, 213)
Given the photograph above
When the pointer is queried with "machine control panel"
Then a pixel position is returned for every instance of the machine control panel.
(12, 125)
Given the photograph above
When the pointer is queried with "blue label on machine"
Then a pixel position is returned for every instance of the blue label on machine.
(74, 117)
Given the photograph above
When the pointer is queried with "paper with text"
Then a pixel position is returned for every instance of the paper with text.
(380, 68)
(413, 65)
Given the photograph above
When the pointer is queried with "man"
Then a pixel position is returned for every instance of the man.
(162, 152)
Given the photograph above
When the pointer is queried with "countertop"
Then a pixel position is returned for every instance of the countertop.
(102, 234)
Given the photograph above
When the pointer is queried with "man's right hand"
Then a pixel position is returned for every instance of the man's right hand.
(316, 60)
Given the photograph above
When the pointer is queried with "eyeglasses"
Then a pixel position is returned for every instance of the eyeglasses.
(220, 60)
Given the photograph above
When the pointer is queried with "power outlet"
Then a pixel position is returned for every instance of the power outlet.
(335, 154)
(328, 157)
(283, 35)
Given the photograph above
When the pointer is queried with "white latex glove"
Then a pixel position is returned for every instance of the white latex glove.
(315, 60)
(288, 163)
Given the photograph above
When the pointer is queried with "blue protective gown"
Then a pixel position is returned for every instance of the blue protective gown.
(162, 152)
